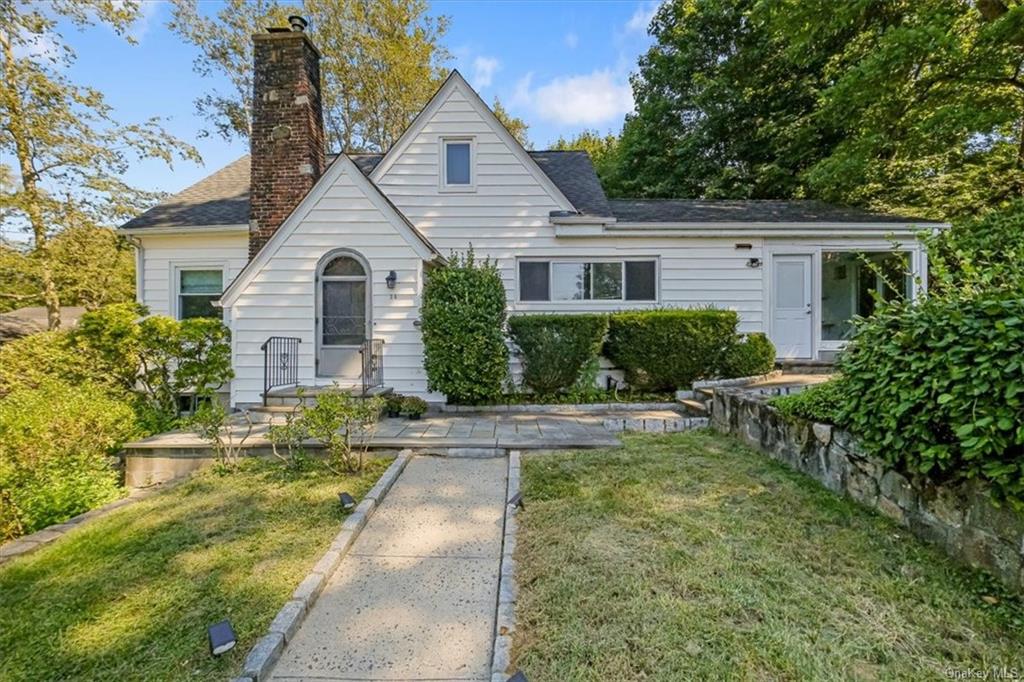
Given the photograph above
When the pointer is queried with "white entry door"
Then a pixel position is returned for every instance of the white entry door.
(791, 306)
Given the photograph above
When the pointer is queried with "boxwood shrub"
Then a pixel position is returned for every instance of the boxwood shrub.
(555, 349)
(463, 318)
(663, 350)
(820, 402)
(748, 355)
(937, 387)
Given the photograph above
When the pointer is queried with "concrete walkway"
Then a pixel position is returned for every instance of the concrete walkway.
(415, 597)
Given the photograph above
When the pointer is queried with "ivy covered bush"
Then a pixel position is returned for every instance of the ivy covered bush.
(55, 442)
(663, 350)
(748, 355)
(555, 349)
(463, 320)
(937, 387)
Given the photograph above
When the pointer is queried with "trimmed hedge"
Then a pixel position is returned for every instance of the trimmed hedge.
(463, 316)
(555, 349)
(937, 387)
(749, 355)
(663, 350)
(820, 402)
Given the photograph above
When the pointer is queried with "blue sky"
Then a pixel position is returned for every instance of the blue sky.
(561, 66)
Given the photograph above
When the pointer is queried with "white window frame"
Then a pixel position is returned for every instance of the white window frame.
(175, 288)
(442, 151)
(592, 302)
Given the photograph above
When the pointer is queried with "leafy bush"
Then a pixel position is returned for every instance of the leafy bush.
(980, 254)
(663, 350)
(556, 349)
(820, 402)
(748, 355)
(54, 445)
(335, 420)
(937, 387)
(413, 406)
(463, 318)
(33, 360)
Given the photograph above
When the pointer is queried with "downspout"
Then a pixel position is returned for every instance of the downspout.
(140, 267)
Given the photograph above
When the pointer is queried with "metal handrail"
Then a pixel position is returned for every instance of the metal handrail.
(280, 362)
(373, 364)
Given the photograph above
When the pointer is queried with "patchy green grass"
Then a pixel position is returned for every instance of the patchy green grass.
(689, 556)
(129, 596)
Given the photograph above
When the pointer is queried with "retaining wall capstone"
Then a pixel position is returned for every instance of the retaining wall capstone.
(960, 518)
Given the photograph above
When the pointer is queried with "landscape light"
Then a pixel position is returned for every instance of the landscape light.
(222, 637)
(517, 501)
(347, 501)
(518, 677)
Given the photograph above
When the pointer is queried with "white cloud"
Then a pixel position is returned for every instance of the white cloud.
(572, 40)
(590, 99)
(641, 18)
(483, 71)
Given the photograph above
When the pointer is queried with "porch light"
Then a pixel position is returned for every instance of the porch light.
(347, 501)
(753, 262)
(222, 637)
(391, 279)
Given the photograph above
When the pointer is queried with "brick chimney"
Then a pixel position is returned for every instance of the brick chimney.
(287, 139)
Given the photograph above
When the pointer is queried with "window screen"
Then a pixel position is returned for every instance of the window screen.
(533, 281)
(641, 280)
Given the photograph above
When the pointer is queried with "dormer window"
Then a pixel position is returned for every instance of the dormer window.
(457, 165)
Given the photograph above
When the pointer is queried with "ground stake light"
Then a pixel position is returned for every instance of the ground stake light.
(347, 501)
(518, 677)
(517, 501)
(222, 637)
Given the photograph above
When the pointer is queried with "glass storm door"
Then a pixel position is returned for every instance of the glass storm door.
(342, 318)
(791, 306)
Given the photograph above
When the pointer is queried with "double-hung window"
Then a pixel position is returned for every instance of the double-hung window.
(588, 280)
(457, 160)
(197, 289)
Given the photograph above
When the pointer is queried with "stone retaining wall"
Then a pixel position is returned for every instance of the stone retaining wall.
(961, 518)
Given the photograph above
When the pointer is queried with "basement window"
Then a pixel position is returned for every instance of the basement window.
(457, 164)
(588, 280)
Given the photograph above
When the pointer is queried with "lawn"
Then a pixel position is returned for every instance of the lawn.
(689, 556)
(129, 596)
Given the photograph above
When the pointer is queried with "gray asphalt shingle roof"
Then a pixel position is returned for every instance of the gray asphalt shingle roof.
(223, 199)
(752, 210)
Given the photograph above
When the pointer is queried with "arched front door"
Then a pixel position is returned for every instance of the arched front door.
(343, 315)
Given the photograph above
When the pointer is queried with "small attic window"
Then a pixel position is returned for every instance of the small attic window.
(457, 164)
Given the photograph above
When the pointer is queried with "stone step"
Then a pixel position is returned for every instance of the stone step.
(695, 407)
(708, 393)
(289, 395)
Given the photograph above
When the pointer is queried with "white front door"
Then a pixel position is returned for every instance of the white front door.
(791, 306)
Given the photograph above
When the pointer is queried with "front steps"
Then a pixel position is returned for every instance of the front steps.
(288, 396)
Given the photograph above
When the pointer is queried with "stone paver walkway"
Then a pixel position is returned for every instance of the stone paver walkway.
(415, 597)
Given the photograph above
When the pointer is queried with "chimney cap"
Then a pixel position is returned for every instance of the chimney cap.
(298, 23)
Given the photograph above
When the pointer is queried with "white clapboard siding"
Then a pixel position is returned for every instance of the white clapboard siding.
(163, 254)
(280, 298)
(507, 217)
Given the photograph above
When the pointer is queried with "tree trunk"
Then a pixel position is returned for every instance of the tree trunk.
(29, 187)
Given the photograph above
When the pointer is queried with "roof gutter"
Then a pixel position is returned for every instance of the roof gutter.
(183, 229)
(595, 227)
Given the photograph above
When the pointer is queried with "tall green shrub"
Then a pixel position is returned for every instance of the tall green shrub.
(748, 355)
(463, 318)
(54, 445)
(32, 360)
(937, 387)
(663, 350)
(555, 349)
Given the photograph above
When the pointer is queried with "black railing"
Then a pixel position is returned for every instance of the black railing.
(280, 363)
(373, 364)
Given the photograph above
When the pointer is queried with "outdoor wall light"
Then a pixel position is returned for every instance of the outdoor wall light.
(753, 262)
(222, 637)
(744, 247)
(391, 279)
(347, 501)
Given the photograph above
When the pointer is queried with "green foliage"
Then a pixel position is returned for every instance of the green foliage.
(291, 435)
(412, 406)
(463, 316)
(749, 355)
(556, 349)
(341, 423)
(54, 445)
(225, 433)
(30, 361)
(663, 350)
(981, 253)
(937, 387)
(820, 402)
(519, 128)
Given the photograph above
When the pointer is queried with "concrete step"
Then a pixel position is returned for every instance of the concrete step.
(708, 393)
(271, 414)
(695, 407)
(288, 396)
